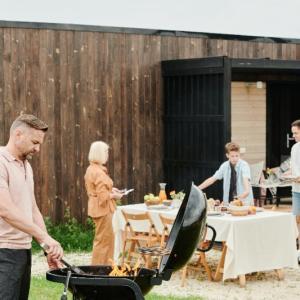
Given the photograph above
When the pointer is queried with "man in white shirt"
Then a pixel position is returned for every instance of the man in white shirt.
(295, 169)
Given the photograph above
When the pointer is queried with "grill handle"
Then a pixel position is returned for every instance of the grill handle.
(73, 268)
(214, 233)
(64, 294)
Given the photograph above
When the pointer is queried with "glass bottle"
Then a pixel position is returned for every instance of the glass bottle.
(162, 192)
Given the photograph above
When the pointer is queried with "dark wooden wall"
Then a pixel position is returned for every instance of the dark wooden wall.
(98, 86)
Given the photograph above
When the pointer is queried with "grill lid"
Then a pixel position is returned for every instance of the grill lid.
(186, 231)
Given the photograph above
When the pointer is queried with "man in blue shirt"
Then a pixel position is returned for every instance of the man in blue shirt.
(235, 173)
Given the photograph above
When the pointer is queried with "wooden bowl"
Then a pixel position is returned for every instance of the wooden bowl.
(238, 210)
(152, 202)
(239, 213)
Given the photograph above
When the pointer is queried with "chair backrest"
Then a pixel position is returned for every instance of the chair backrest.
(256, 171)
(140, 222)
(167, 224)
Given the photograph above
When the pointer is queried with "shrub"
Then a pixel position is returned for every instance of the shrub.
(72, 235)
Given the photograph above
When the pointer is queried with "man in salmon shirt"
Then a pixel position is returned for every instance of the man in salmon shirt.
(20, 217)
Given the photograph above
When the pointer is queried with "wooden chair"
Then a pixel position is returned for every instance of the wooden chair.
(257, 175)
(167, 224)
(201, 261)
(149, 237)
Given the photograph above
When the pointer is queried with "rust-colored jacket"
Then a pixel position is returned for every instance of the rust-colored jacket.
(99, 186)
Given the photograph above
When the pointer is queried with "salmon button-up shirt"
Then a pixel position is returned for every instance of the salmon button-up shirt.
(17, 178)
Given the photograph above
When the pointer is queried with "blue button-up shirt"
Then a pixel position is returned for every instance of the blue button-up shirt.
(242, 171)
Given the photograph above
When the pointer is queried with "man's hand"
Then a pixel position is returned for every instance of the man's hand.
(52, 247)
(53, 263)
(297, 179)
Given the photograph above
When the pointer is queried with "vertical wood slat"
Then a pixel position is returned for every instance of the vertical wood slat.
(59, 105)
(98, 86)
(9, 114)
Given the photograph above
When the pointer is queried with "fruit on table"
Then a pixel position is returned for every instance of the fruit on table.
(149, 197)
(252, 210)
(237, 202)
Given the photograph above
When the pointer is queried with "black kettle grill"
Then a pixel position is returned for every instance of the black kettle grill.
(94, 282)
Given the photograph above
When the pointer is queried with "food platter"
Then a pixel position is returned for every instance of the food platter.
(288, 178)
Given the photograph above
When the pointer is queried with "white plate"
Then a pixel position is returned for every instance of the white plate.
(259, 209)
(288, 177)
(214, 213)
(159, 207)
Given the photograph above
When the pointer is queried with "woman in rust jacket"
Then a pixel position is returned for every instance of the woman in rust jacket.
(101, 203)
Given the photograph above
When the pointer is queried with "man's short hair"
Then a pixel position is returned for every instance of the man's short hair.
(296, 123)
(30, 121)
(232, 147)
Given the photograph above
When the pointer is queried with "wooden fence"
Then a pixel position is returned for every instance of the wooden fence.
(98, 86)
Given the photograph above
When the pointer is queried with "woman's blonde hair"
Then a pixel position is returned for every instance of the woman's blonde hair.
(98, 152)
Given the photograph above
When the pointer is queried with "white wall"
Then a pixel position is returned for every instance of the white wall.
(273, 18)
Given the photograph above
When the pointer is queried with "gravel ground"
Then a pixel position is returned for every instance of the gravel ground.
(263, 285)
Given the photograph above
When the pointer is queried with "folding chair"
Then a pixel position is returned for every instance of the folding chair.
(148, 235)
(167, 225)
(256, 171)
(201, 261)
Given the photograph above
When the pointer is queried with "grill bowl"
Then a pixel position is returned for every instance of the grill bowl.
(90, 285)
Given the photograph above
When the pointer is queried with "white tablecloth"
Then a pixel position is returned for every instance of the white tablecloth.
(260, 242)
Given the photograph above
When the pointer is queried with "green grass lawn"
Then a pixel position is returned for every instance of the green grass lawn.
(41, 289)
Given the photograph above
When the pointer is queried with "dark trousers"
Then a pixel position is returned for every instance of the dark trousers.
(15, 271)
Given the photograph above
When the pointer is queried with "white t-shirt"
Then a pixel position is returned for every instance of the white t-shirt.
(295, 165)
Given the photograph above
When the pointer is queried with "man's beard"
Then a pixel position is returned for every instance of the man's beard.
(26, 156)
(29, 156)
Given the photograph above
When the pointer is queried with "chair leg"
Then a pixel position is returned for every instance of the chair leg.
(148, 261)
(277, 200)
(183, 276)
(219, 271)
(123, 252)
(206, 267)
(242, 280)
(131, 249)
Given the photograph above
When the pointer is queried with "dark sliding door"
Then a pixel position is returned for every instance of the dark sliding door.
(283, 107)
